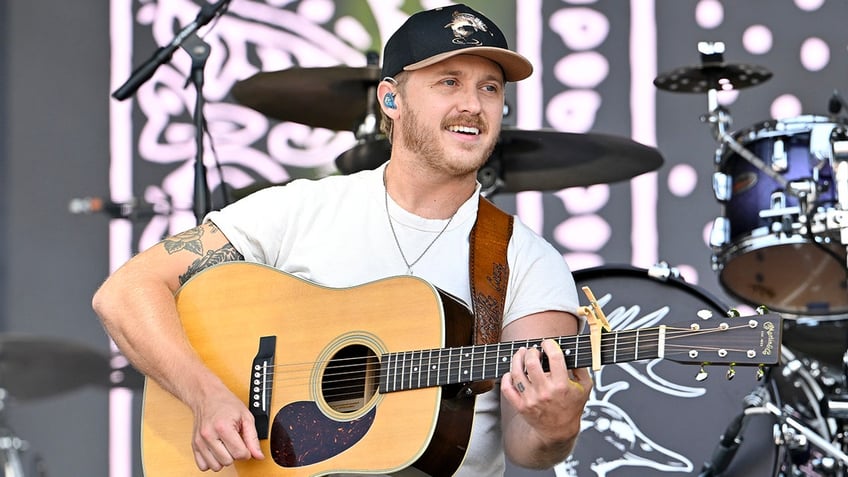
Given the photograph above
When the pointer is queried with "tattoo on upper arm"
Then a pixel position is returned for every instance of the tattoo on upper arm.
(188, 240)
(227, 253)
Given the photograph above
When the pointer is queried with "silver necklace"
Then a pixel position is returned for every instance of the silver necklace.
(394, 234)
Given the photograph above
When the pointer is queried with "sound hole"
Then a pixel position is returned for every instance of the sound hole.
(351, 378)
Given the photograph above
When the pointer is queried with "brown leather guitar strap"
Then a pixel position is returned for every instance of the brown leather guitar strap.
(488, 276)
(489, 273)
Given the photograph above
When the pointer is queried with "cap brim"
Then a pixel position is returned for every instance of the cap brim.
(515, 66)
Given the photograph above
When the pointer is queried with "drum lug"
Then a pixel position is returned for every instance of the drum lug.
(720, 232)
(722, 186)
(779, 158)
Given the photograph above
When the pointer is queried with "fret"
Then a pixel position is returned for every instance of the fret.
(482, 365)
(389, 371)
(415, 370)
(404, 362)
(430, 368)
(577, 350)
(636, 347)
(496, 362)
(615, 348)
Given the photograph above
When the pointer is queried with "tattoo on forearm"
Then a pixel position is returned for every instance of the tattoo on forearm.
(227, 253)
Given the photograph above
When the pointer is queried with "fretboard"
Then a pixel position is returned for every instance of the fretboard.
(438, 367)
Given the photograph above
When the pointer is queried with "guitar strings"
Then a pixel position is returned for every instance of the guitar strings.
(351, 374)
(623, 348)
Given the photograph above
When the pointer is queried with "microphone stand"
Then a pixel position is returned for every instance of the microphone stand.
(199, 52)
(163, 54)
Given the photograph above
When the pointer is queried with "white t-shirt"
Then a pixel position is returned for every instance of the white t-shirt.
(335, 232)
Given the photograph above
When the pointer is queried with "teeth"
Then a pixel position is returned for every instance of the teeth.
(464, 129)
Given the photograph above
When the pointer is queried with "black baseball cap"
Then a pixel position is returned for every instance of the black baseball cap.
(431, 36)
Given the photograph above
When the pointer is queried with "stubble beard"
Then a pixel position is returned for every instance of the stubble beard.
(420, 141)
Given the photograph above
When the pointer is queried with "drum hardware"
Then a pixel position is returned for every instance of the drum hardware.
(15, 457)
(835, 406)
(795, 435)
(662, 270)
(712, 74)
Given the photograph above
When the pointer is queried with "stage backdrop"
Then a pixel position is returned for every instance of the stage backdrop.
(595, 65)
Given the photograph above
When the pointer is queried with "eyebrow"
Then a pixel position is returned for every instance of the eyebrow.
(454, 72)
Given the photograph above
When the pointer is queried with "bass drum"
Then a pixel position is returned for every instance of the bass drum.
(653, 418)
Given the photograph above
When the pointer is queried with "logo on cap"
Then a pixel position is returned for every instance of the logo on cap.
(464, 25)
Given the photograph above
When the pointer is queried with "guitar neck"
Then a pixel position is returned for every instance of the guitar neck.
(438, 367)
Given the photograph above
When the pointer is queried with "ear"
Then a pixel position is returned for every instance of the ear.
(383, 89)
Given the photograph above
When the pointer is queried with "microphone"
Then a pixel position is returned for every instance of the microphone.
(133, 209)
(163, 54)
(731, 439)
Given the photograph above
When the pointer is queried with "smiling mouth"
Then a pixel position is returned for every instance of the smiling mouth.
(465, 130)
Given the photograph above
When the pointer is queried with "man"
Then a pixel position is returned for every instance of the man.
(442, 99)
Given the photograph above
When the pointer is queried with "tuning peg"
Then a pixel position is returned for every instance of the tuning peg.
(760, 372)
(731, 371)
(702, 374)
(762, 310)
(733, 313)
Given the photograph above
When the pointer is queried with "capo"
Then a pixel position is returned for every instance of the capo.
(597, 320)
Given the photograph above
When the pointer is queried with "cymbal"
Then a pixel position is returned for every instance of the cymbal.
(34, 367)
(539, 160)
(717, 76)
(335, 97)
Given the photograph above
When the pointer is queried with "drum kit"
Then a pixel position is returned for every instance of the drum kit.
(779, 241)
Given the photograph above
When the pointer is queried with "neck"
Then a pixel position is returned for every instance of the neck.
(425, 193)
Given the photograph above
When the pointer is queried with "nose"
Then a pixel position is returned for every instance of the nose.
(469, 101)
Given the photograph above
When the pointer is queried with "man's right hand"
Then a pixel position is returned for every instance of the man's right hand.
(224, 431)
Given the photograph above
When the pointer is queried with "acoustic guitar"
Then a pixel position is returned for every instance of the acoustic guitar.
(375, 378)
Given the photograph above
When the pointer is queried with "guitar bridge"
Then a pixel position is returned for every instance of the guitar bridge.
(262, 384)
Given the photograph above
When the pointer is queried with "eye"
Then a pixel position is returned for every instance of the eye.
(450, 82)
